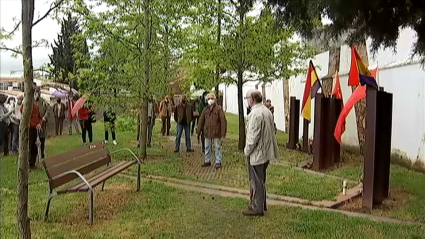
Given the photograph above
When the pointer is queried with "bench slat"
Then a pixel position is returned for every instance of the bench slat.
(84, 170)
(97, 179)
(60, 158)
(77, 162)
(99, 174)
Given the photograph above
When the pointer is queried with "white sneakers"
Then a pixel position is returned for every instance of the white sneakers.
(113, 142)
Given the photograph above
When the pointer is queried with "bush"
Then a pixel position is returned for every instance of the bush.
(126, 123)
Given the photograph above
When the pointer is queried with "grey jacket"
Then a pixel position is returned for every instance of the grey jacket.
(261, 145)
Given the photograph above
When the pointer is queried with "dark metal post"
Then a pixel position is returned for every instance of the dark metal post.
(334, 112)
(306, 123)
(138, 177)
(321, 152)
(294, 123)
(377, 147)
(91, 213)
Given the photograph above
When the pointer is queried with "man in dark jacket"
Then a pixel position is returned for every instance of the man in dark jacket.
(183, 116)
(213, 122)
(44, 108)
(202, 105)
(59, 114)
(109, 118)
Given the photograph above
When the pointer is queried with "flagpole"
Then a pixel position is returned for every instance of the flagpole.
(377, 73)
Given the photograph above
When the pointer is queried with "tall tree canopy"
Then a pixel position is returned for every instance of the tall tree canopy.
(63, 63)
(380, 20)
(251, 48)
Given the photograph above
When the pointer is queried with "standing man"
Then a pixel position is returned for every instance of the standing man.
(260, 148)
(196, 114)
(166, 109)
(59, 113)
(73, 119)
(183, 117)
(35, 125)
(109, 118)
(213, 122)
(269, 105)
(201, 107)
(152, 112)
(44, 112)
(15, 118)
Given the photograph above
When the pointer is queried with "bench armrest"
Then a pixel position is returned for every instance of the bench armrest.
(79, 175)
(131, 152)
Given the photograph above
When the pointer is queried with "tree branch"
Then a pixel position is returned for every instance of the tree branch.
(53, 6)
(10, 34)
(3, 48)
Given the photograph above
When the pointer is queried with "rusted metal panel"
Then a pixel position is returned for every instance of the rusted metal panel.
(305, 147)
(377, 148)
(321, 151)
(334, 112)
(294, 123)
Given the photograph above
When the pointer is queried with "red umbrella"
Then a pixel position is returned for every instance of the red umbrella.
(80, 102)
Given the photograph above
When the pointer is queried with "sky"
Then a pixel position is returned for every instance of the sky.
(46, 29)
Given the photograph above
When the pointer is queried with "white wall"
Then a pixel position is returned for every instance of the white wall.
(274, 92)
(399, 74)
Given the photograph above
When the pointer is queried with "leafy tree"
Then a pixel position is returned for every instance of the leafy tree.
(139, 42)
(26, 23)
(380, 20)
(62, 62)
(254, 48)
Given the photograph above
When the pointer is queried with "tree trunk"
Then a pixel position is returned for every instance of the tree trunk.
(241, 145)
(360, 107)
(217, 69)
(22, 205)
(146, 79)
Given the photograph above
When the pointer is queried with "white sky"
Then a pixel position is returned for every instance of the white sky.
(46, 29)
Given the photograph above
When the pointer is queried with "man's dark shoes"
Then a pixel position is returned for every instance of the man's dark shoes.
(206, 165)
(217, 165)
(176, 151)
(250, 212)
(190, 150)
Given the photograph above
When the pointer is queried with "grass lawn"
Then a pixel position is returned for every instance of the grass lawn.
(162, 161)
(407, 194)
(160, 211)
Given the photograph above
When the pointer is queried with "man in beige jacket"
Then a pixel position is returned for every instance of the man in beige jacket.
(260, 148)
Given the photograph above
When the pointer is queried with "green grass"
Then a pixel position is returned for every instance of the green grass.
(160, 211)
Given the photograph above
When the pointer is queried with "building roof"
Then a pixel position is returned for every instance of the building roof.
(11, 79)
(12, 92)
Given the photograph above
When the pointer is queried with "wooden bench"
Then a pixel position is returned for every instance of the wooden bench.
(76, 164)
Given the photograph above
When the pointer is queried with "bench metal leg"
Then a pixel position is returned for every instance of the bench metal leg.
(138, 177)
(51, 196)
(103, 185)
(91, 213)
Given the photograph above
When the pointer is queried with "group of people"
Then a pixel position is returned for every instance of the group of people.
(260, 148)
(206, 114)
(10, 117)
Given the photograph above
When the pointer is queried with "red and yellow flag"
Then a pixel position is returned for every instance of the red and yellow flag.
(359, 73)
(312, 85)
